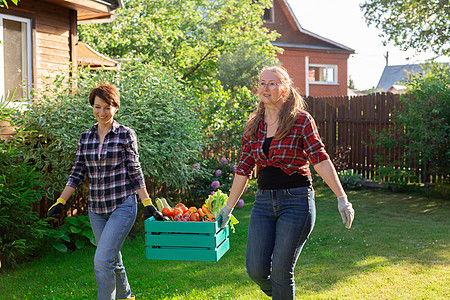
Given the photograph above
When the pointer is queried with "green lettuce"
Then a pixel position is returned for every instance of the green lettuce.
(215, 202)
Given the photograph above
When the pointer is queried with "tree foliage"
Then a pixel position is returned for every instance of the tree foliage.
(5, 3)
(423, 25)
(421, 127)
(188, 36)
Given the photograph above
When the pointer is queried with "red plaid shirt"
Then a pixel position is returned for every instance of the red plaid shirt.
(291, 153)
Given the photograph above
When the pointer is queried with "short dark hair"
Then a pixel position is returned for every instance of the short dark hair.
(108, 92)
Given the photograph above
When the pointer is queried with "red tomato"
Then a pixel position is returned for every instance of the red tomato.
(167, 211)
(195, 217)
(182, 207)
(177, 211)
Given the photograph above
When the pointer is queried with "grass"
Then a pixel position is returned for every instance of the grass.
(398, 248)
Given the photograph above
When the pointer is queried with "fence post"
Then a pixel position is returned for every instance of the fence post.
(332, 135)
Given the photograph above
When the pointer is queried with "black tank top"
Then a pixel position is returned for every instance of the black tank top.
(273, 178)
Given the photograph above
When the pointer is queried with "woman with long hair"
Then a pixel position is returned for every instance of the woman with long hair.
(279, 138)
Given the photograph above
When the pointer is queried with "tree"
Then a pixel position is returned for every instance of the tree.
(188, 36)
(5, 3)
(422, 25)
(421, 125)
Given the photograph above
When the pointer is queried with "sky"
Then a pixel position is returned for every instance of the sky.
(343, 21)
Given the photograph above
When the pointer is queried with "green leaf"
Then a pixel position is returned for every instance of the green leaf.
(74, 229)
(80, 244)
(59, 246)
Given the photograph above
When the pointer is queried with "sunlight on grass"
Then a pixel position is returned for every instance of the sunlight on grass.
(397, 248)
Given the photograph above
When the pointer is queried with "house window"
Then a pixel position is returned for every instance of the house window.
(268, 15)
(322, 74)
(15, 57)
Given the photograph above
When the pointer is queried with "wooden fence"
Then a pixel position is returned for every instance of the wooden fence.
(346, 122)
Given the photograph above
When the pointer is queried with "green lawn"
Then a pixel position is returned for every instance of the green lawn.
(398, 248)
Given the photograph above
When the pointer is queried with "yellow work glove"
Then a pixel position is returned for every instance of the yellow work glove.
(56, 209)
(151, 211)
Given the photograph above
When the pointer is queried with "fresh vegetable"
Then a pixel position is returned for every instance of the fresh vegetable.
(159, 204)
(167, 211)
(165, 202)
(215, 202)
(202, 214)
(177, 211)
(208, 213)
(182, 207)
(195, 217)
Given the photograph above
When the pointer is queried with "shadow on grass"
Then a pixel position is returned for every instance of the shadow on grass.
(389, 230)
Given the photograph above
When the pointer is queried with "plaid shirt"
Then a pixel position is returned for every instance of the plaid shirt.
(289, 154)
(114, 176)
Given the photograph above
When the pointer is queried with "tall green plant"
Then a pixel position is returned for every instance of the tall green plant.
(20, 188)
(223, 115)
(421, 126)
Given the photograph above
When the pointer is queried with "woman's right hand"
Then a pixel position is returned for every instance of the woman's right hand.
(56, 209)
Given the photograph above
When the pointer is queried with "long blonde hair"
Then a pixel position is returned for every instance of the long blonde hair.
(289, 110)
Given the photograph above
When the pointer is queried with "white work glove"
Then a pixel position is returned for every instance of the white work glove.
(225, 213)
(346, 210)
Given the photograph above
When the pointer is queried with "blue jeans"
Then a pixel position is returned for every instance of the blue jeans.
(110, 231)
(280, 223)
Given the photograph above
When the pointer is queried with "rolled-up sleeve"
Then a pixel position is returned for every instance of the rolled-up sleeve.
(79, 169)
(246, 161)
(314, 146)
(134, 169)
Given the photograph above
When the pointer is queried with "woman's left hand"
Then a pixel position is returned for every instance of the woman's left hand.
(346, 210)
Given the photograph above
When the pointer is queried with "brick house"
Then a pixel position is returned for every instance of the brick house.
(318, 65)
(38, 40)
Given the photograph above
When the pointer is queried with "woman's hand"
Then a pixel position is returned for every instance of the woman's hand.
(346, 210)
(225, 213)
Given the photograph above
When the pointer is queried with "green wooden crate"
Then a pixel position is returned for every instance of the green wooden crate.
(194, 241)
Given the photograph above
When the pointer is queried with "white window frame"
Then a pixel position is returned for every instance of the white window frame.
(334, 68)
(29, 83)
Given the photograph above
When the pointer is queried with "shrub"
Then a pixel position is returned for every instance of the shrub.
(351, 180)
(21, 230)
(74, 234)
(153, 103)
(223, 115)
(421, 127)
(396, 178)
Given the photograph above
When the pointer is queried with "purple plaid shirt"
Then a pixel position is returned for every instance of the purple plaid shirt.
(290, 154)
(114, 176)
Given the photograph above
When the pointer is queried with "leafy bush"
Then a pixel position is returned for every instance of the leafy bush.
(75, 233)
(351, 180)
(20, 187)
(223, 115)
(153, 103)
(421, 127)
(397, 179)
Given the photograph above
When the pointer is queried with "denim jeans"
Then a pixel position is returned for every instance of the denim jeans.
(110, 231)
(280, 223)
